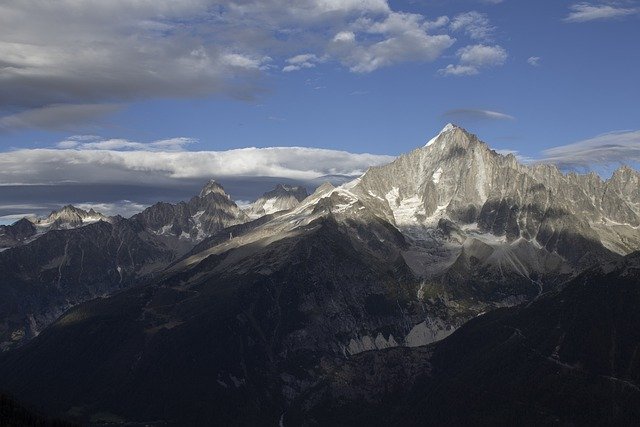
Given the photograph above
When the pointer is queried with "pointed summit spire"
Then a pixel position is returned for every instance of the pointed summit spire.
(212, 187)
(448, 128)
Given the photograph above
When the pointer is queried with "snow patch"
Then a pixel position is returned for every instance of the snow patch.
(366, 343)
(427, 332)
(404, 210)
(436, 175)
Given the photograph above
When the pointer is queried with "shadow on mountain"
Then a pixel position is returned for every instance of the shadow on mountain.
(569, 358)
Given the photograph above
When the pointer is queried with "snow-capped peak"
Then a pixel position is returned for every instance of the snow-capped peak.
(283, 197)
(449, 127)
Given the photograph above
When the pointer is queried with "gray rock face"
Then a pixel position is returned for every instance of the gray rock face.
(458, 177)
(62, 268)
(282, 198)
(16, 233)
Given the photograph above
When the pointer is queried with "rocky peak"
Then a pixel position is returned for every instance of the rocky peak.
(212, 187)
(23, 225)
(452, 135)
(283, 190)
(283, 197)
(72, 215)
(625, 174)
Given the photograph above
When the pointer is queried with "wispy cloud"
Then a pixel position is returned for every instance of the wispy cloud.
(584, 12)
(621, 147)
(475, 24)
(476, 114)
(534, 61)
(305, 60)
(87, 142)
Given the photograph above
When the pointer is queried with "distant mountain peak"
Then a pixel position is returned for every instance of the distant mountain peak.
(282, 197)
(73, 213)
(213, 187)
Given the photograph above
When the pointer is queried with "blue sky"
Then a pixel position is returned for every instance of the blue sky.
(361, 76)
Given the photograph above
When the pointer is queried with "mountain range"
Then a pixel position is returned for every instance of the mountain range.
(454, 283)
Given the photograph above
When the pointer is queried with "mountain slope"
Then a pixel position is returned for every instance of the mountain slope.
(569, 358)
(80, 255)
(253, 329)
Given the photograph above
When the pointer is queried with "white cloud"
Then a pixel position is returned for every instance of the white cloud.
(305, 60)
(405, 38)
(459, 70)
(242, 61)
(611, 148)
(534, 61)
(482, 56)
(475, 57)
(345, 36)
(102, 165)
(584, 12)
(438, 23)
(475, 24)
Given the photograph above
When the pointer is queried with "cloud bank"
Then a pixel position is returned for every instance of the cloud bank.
(99, 162)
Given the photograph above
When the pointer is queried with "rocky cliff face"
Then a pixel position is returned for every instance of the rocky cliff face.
(192, 221)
